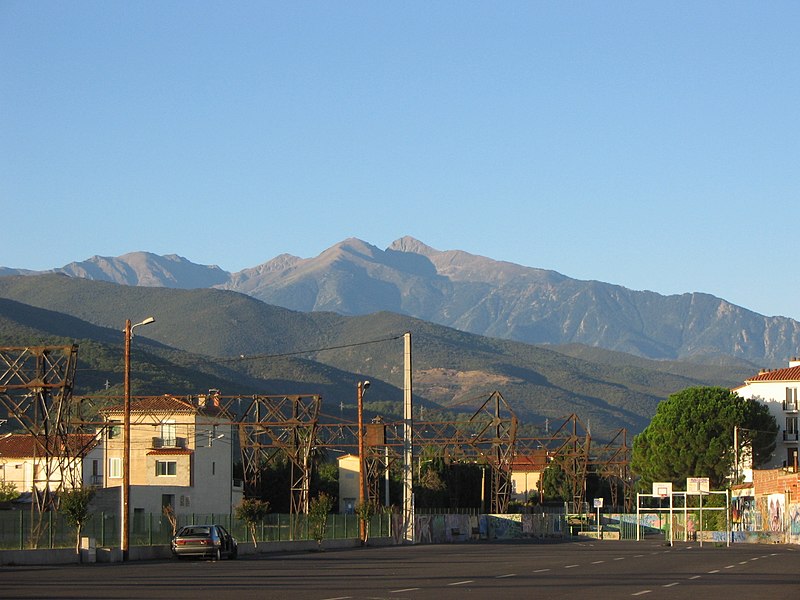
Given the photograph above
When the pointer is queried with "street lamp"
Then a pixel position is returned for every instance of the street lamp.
(126, 448)
(362, 492)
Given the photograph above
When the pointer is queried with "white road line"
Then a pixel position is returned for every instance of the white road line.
(571, 566)
(714, 571)
(744, 562)
(731, 567)
(642, 593)
(403, 590)
(695, 577)
(670, 584)
(541, 570)
(504, 576)
(638, 555)
(598, 562)
(462, 582)
(620, 558)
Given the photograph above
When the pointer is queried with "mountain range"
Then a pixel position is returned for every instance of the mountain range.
(477, 295)
(208, 336)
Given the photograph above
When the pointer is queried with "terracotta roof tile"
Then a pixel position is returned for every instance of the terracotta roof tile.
(169, 452)
(786, 374)
(23, 445)
(165, 404)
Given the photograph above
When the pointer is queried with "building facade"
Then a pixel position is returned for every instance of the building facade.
(28, 462)
(778, 390)
(181, 455)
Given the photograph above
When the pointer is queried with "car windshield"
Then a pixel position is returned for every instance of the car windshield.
(195, 532)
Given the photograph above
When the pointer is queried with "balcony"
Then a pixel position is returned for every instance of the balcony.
(790, 436)
(176, 442)
(790, 406)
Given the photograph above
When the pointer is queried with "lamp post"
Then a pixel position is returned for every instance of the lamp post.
(126, 448)
(362, 495)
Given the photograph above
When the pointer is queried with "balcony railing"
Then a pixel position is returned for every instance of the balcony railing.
(175, 442)
(790, 436)
(789, 406)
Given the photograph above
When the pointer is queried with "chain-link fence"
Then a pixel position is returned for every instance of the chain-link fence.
(22, 529)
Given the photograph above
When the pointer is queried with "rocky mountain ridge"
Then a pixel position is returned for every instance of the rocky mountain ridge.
(476, 294)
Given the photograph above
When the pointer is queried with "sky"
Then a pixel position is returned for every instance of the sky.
(653, 145)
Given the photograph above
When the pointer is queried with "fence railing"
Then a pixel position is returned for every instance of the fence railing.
(22, 529)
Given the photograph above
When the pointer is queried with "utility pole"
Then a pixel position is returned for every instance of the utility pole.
(408, 446)
(362, 485)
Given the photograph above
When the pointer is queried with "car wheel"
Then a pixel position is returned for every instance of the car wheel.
(218, 554)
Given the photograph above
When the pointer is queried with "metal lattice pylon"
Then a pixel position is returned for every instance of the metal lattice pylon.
(275, 426)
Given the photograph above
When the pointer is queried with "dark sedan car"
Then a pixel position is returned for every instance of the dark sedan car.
(212, 541)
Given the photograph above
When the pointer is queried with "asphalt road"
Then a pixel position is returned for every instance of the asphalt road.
(505, 570)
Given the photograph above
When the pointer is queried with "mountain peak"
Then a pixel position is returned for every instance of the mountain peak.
(413, 245)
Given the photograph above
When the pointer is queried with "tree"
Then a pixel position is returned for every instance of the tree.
(691, 435)
(554, 484)
(252, 511)
(74, 505)
(318, 511)
(172, 518)
(364, 511)
(8, 491)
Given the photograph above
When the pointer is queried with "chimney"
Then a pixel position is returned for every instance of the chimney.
(794, 362)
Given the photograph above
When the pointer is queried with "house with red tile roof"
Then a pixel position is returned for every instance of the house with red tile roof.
(29, 461)
(181, 454)
(526, 473)
(778, 390)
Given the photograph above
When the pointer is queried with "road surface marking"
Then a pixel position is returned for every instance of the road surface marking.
(504, 576)
(462, 582)
(714, 571)
(670, 584)
(642, 593)
(404, 590)
(571, 566)
(620, 558)
(598, 562)
(541, 570)
(731, 567)
(695, 577)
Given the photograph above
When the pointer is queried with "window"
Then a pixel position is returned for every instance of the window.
(115, 468)
(114, 429)
(166, 468)
(791, 399)
(168, 432)
(791, 424)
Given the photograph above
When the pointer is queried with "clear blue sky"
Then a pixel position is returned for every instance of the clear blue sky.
(654, 145)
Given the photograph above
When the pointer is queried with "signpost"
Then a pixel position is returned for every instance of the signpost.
(598, 504)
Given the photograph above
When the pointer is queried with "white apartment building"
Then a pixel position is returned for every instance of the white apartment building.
(778, 390)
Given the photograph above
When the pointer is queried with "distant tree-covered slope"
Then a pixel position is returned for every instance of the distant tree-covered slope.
(213, 338)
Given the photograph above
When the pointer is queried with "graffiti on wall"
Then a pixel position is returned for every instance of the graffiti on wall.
(776, 510)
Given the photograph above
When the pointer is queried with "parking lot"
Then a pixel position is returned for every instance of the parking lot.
(481, 570)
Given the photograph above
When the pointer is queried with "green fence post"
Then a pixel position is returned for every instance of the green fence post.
(21, 529)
